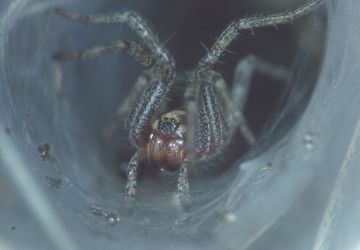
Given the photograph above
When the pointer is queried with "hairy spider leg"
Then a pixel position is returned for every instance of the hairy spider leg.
(233, 30)
(150, 98)
(132, 178)
(206, 127)
(139, 53)
(211, 124)
(234, 115)
(206, 102)
(190, 101)
(140, 117)
(136, 23)
(122, 112)
(205, 120)
(204, 115)
(244, 71)
(183, 184)
(235, 102)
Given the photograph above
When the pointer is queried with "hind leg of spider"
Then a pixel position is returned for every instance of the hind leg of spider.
(213, 98)
(244, 72)
(234, 103)
(234, 118)
(205, 130)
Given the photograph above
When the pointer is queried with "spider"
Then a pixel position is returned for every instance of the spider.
(178, 138)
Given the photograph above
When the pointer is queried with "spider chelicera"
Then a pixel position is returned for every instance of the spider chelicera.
(211, 113)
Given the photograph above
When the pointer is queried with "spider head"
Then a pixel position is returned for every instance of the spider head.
(171, 124)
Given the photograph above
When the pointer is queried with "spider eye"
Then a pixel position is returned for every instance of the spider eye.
(167, 127)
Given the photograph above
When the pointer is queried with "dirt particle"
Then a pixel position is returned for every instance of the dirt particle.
(8, 131)
(44, 150)
(53, 182)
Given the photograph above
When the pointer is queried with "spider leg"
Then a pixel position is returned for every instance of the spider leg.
(159, 59)
(233, 30)
(244, 72)
(140, 54)
(132, 178)
(147, 103)
(235, 102)
(210, 131)
(133, 20)
(205, 130)
(191, 104)
(125, 106)
(183, 184)
(206, 124)
(141, 112)
(235, 118)
(149, 99)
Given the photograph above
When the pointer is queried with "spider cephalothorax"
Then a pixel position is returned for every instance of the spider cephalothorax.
(211, 113)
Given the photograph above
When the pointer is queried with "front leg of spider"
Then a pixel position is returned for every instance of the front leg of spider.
(139, 124)
(131, 175)
(205, 130)
(150, 55)
(183, 185)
